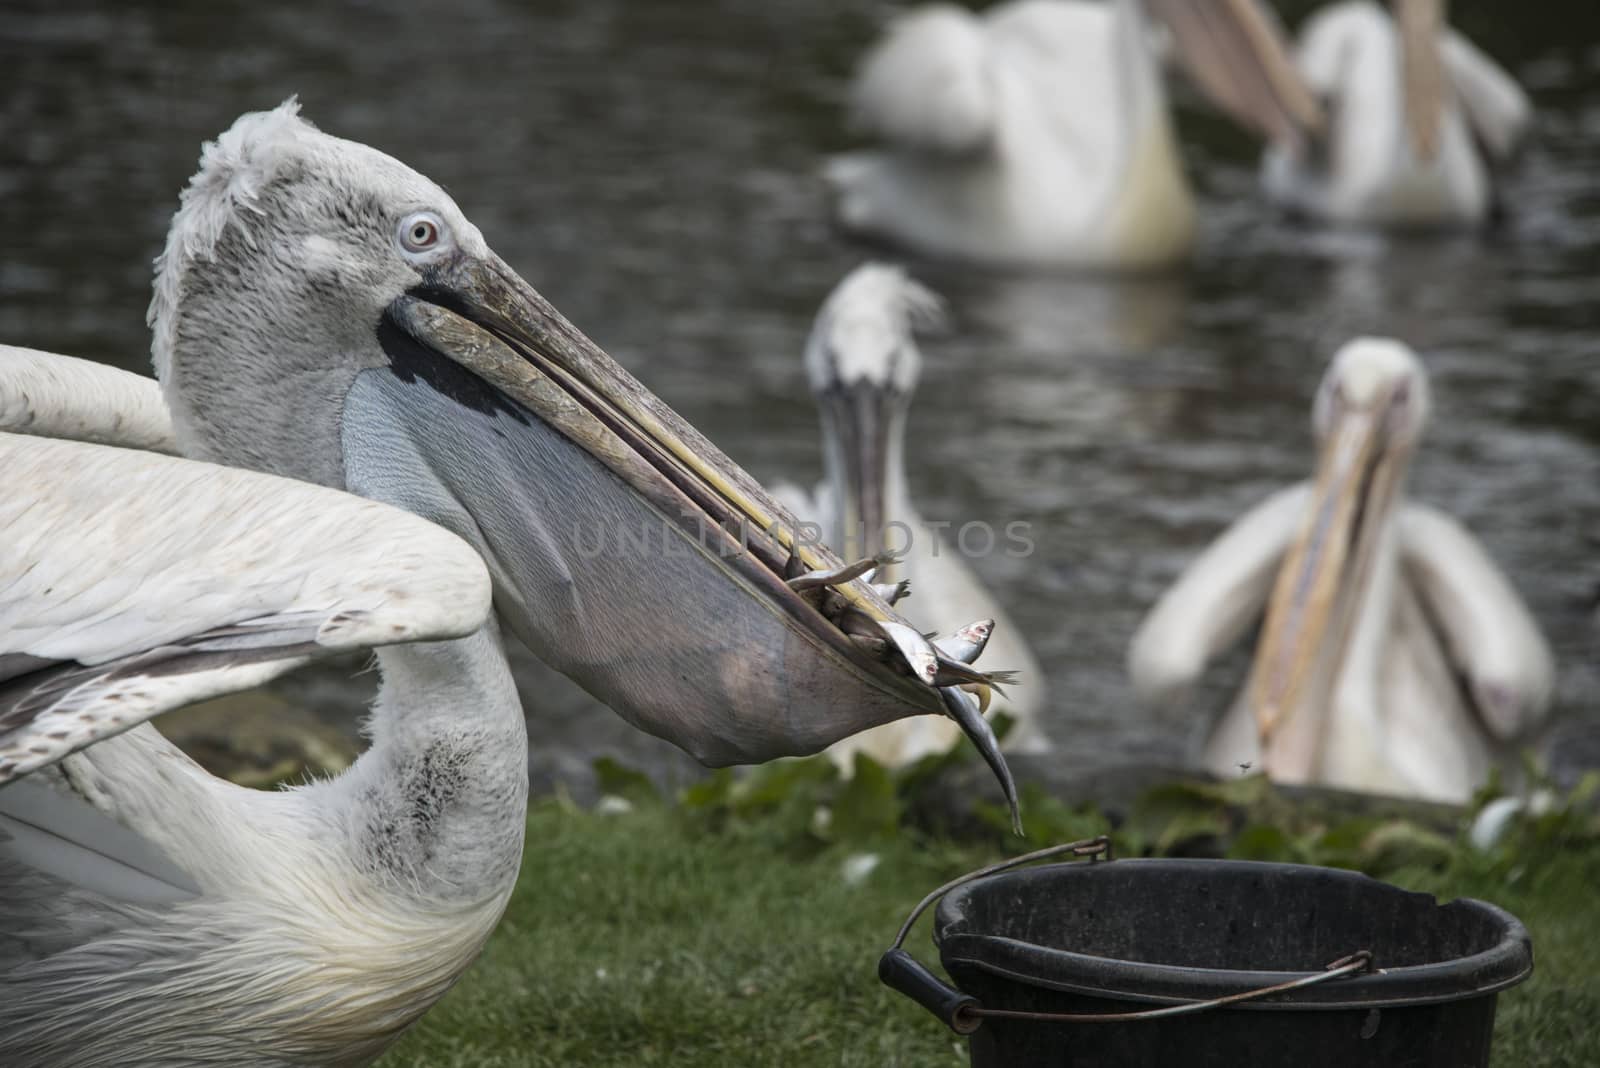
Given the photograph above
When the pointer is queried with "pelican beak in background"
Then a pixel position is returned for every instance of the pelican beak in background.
(1237, 54)
(1319, 587)
(1420, 24)
(861, 420)
(627, 551)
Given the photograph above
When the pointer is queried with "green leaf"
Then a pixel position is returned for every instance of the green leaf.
(1190, 826)
(621, 781)
(1262, 842)
(1401, 844)
(713, 793)
(771, 785)
(1178, 811)
(1344, 845)
(1002, 723)
(868, 806)
(914, 776)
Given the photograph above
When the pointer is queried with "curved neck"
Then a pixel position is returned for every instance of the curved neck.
(440, 799)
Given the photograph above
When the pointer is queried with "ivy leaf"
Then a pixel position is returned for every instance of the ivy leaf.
(619, 780)
(868, 806)
(713, 793)
(1260, 841)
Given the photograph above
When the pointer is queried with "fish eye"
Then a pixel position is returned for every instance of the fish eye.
(421, 231)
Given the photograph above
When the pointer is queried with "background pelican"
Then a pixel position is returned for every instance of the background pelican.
(325, 312)
(1420, 122)
(1039, 133)
(1394, 657)
(863, 366)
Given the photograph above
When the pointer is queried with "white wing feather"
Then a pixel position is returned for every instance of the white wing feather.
(50, 829)
(149, 582)
(55, 396)
(1492, 639)
(927, 84)
(1494, 103)
(1215, 600)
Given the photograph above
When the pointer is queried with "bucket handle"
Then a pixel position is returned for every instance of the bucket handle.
(964, 1014)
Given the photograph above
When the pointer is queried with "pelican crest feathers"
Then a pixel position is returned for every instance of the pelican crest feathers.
(234, 169)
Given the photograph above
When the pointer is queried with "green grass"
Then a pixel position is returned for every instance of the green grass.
(655, 938)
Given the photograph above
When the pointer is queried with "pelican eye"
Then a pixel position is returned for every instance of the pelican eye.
(421, 232)
(1401, 420)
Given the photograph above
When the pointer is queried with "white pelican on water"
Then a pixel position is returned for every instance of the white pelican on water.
(1394, 657)
(324, 312)
(1419, 121)
(863, 366)
(1039, 134)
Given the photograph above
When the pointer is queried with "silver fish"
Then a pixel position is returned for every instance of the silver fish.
(966, 644)
(963, 708)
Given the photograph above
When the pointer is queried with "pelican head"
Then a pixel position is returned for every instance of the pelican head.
(322, 310)
(863, 366)
(1368, 415)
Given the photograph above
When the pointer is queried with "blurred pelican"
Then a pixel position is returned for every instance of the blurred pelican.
(324, 312)
(863, 366)
(1394, 657)
(1420, 122)
(1039, 133)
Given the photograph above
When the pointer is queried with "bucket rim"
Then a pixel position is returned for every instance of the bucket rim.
(1506, 963)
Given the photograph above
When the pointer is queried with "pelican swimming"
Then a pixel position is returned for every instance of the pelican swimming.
(863, 366)
(1039, 133)
(1420, 123)
(1394, 657)
(323, 312)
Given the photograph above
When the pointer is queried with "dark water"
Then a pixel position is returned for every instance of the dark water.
(651, 167)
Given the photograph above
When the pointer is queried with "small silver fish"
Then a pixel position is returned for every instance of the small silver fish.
(813, 580)
(919, 654)
(963, 708)
(966, 644)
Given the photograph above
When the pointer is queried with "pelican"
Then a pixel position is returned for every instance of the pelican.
(323, 312)
(1038, 134)
(1393, 657)
(863, 366)
(1420, 122)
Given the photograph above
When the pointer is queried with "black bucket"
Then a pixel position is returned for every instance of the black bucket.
(1413, 985)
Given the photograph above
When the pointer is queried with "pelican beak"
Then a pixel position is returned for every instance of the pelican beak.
(1420, 24)
(1313, 602)
(859, 419)
(627, 551)
(1236, 53)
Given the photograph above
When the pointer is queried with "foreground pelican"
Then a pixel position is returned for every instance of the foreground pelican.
(1039, 134)
(863, 366)
(1394, 657)
(324, 312)
(1420, 122)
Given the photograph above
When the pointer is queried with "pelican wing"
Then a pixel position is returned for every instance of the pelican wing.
(928, 84)
(1236, 52)
(1492, 640)
(132, 583)
(1215, 600)
(1495, 105)
(55, 396)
